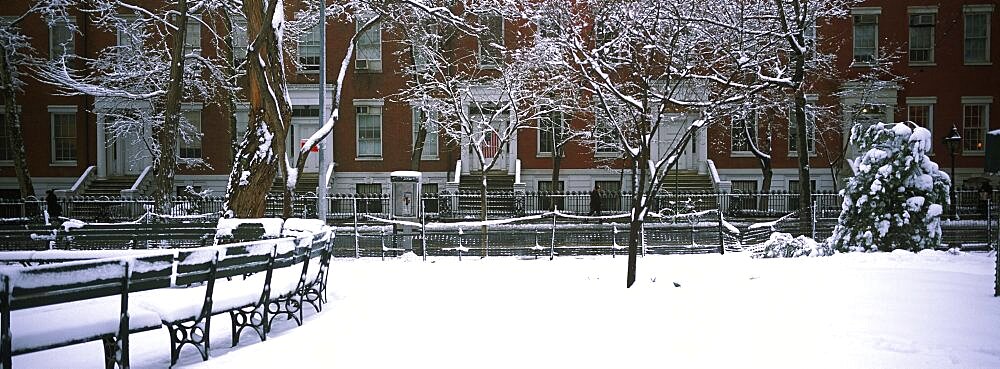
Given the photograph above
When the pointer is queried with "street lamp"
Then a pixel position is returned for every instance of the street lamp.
(951, 141)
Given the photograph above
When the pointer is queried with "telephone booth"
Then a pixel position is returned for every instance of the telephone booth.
(406, 205)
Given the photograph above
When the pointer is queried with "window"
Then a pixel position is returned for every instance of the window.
(60, 40)
(309, 50)
(744, 195)
(491, 43)
(975, 117)
(372, 195)
(425, 43)
(610, 195)
(428, 191)
(127, 37)
(865, 34)
(241, 42)
(793, 140)
(920, 111)
(550, 132)
(741, 126)
(977, 33)
(922, 38)
(605, 138)
(242, 121)
(793, 188)
(192, 37)
(546, 201)
(6, 151)
(189, 144)
(369, 131)
(63, 135)
(369, 49)
(305, 111)
(422, 117)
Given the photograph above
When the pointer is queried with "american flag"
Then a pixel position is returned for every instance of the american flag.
(491, 145)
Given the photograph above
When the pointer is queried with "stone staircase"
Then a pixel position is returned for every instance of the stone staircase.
(496, 183)
(685, 181)
(308, 182)
(110, 186)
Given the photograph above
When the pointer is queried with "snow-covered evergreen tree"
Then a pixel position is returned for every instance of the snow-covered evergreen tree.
(897, 194)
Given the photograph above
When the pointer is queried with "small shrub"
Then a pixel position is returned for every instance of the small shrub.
(783, 245)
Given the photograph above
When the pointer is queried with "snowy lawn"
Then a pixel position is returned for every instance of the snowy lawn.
(881, 310)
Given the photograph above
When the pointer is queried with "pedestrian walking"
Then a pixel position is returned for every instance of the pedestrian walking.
(985, 193)
(595, 201)
(52, 205)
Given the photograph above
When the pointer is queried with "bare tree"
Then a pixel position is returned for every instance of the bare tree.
(147, 104)
(15, 52)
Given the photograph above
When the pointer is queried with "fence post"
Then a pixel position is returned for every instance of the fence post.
(722, 239)
(354, 209)
(552, 241)
(423, 234)
(812, 219)
(642, 236)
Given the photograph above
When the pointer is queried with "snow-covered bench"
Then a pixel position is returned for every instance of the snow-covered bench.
(252, 281)
(55, 305)
(134, 235)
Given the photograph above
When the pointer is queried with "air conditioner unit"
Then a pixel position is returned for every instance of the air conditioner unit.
(361, 64)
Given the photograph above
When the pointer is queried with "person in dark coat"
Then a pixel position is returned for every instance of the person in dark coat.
(595, 201)
(985, 192)
(52, 204)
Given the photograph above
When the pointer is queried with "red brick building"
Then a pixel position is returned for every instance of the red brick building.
(948, 53)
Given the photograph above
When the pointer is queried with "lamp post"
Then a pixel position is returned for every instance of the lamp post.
(951, 141)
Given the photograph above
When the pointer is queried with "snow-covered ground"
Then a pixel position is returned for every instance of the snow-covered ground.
(880, 310)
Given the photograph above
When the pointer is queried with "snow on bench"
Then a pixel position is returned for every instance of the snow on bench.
(57, 305)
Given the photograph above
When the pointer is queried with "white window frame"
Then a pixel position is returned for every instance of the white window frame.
(241, 41)
(369, 63)
(124, 35)
(810, 109)
(543, 125)
(55, 110)
(199, 143)
(425, 44)
(309, 50)
(859, 13)
(921, 12)
(432, 131)
(737, 131)
(482, 60)
(604, 148)
(369, 105)
(58, 48)
(967, 10)
(930, 103)
(986, 102)
(192, 36)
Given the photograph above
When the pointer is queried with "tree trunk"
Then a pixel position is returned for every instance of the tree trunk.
(482, 214)
(765, 187)
(418, 147)
(556, 165)
(805, 191)
(12, 118)
(255, 166)
(635, 222)
(165, 162)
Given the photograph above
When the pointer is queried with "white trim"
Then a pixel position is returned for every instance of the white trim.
(877, 10)
(369, 102)
(923, 9)
(52, 138)
(357, 129)
(977, 99)
(922, 100)
(70, 44)
(977, 8)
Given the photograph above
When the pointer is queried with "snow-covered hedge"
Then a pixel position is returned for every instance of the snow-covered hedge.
(783, 245)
